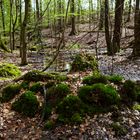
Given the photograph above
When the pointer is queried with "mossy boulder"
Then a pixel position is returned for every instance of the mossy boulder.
(130, 91)
(9, 70)
(36, 76)
(24, 85)
(10, 92)
(116, 79)
(49, 124)
(90, 80)
(56, 93)
(27, 104)
(37, 87)
(99, 94)
(69, 106)
(76, 118)
(83, 62)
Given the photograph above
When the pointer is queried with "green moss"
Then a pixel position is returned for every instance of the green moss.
(130, 91)
(69, 106)
(5, 40)
(47, 111)
(136, 107)
(83, 62)
(10, 92)
(116, 79)
(33, 76)
(76, 46)
(90, 80)
(99, 94)
(59, 77)
(76, 118)
(9, 70)
(3, 43)
(43, 76)
(56, 93)
(37, 87)
(33, 48)
(63, 119)
(24, 85)
(120, 130)
(49, 124)
(27, 104)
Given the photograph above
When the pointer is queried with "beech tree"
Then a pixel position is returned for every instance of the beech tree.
(73, 22)
(118, 25)
(23, 34)
(136, 47)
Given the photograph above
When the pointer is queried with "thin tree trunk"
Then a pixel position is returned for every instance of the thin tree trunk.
(102, 11)
(23, 35)
(38, 20)
(3, 15)
(14, 25)
(107, 34)
(136, 47)
(129, 11)
(73, 24)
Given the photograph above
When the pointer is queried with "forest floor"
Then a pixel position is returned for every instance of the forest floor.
(15, 127)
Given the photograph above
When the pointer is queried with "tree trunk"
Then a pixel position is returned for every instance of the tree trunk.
(129, 10)
(136, 47)
(102, 11)
(73, 24)
(118, 25)
(59, 5)
(107, 34)
(38, 21)
(23, 35)
(3, 15)
(14, 25)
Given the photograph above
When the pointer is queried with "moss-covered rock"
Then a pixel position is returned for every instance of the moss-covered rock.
(36, 76)
(90, 80)
(24, 85)
(10, 92)
(76, 118)
(56, 93)
(49, 124)
(99, 94)
(70, 106)
(83, 62)
(130, 91)
(37, 87)
(116, 79)
(9, 70)
(27, 104)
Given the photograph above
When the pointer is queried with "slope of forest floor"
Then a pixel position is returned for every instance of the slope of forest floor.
(15, 126)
